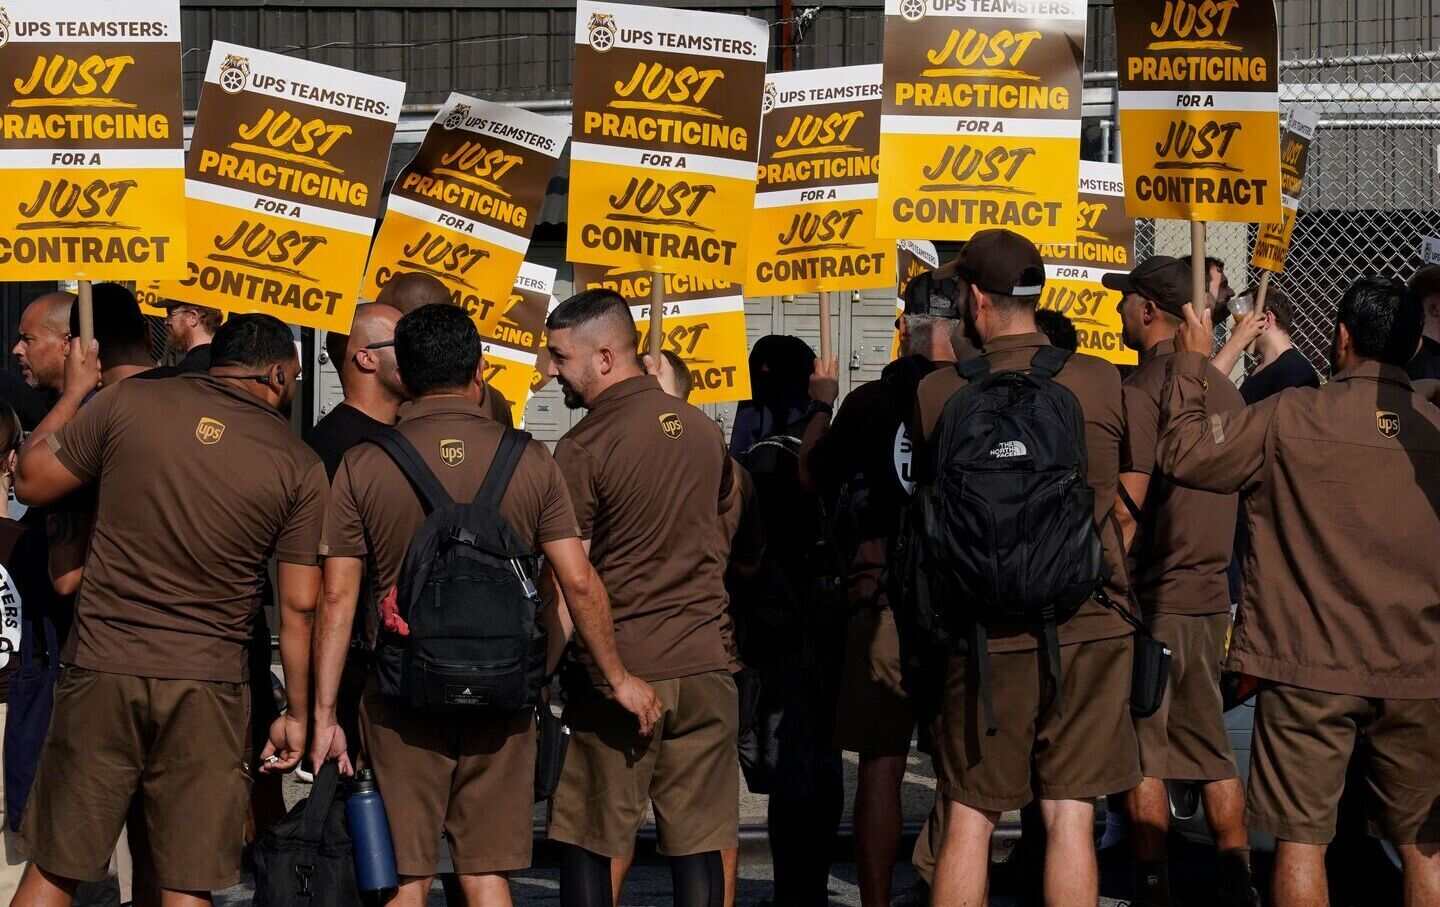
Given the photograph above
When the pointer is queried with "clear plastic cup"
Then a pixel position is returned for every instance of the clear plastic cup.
(1240, 306)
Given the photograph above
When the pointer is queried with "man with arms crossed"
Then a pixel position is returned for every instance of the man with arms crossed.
(1180, 542)
(200, 482)
(647, 475)
(1072, 755)
(1339, 614)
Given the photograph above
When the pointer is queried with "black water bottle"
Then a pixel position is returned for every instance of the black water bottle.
(370, 835)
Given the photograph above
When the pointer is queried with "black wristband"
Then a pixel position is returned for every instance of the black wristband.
(819, 406)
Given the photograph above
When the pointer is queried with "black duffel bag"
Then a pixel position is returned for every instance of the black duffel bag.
(306, 859)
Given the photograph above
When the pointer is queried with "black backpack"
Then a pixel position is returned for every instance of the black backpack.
(475, 643)
(1006, 526)
(306, 858)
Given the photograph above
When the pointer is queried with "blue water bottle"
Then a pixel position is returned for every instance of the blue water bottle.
(370, 835)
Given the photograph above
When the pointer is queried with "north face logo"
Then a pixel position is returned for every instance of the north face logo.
(1005, 450)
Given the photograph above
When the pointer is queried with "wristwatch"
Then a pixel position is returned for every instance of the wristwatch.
(817, 407)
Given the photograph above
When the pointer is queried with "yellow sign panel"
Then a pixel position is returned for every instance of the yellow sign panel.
(703, 323)
(464, 208)
(1104, 244)
(282, 186)
(981, 124)
(91, 144)
(1199, 109)
(667, 127)
(511, 372)
(814, 222)
(912, 257)
(1272, 243)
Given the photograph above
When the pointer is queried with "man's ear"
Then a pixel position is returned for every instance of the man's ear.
(479, 372)
(365, 361)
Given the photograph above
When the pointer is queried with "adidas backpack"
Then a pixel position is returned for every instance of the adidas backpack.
(1007, 524)
(466, 593)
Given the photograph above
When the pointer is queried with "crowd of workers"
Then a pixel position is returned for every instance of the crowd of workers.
(718, 609)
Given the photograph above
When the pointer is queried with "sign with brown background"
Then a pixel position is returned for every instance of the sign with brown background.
(1272, 243)
(981, 124)
(91, 140)
(282, 186)
(464, 208)
(666, 136)
(1200, 109)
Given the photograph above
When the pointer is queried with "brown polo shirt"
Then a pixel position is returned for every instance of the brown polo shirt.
(647, 474)
(1096, 383)
(199, 484)
(1185, 539)
(375, 512)
(1342, 485)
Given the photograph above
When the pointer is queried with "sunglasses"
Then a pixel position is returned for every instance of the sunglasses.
(379, 345)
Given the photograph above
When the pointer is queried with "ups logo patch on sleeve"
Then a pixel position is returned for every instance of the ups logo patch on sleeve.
(671, 425)
(452, 451)
(209, 431)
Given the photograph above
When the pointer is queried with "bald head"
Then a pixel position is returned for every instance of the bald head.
(44, 331)
(592, 342)
(366, 369)
(411, 290)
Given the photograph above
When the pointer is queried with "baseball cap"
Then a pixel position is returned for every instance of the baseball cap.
(1002, 261)
(926, 294)
(1426, 281)
(1162, 279)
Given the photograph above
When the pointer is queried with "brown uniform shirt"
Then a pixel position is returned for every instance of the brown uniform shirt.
(1097, 385)
(374, 512)
(647, 474)
(199, 484)
(1186, 537)
(1342, 485)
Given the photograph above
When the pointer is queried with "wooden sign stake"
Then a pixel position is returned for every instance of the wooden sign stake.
(1198, 276)
(657, 315)
(1262, 290)
(87, 314)
(826, 347)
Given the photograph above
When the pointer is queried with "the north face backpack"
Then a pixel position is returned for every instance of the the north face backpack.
(467, 637)
(1007, 524)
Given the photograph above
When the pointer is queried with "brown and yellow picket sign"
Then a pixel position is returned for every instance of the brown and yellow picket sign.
(912, 257)
(514, 338)
(666, 136)
(283, 184)
(981, 124)
(1200, 109)
(1104, 244)
(464, 208)
(91, 140)
(1272, 243)
(704, 325)
(814, 222)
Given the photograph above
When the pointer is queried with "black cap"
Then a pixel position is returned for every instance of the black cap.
(927, 295)
(1162, 279)
(1004, 262)
(1426, 281)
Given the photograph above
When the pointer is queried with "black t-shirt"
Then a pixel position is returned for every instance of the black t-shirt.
(343, 428)
(1290, 369)
(1426, 363)
(24, 587)
(865, 441)
(197, 360)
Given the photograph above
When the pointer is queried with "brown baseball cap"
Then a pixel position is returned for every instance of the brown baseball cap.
(1162, 279)
(1002, 261)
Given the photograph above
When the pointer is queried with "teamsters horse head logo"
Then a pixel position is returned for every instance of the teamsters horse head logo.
(4, 27)
(457, 116)
(769, 99)
(234, 73)
(602, 31)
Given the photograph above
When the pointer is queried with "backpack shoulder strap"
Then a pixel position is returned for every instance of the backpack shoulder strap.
(432, 494)
(1048, 361)
(973, 369)
(502, 468)
(317, 806)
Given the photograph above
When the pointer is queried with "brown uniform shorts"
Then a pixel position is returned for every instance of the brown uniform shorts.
(1303, 743)
(874, 717)
(688, 769)
(1083, 750)
(1185, 739)
(181, 744)
(473, 779)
